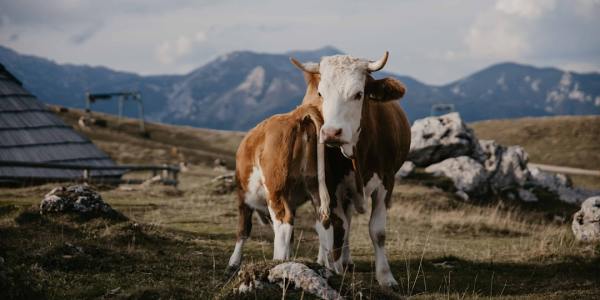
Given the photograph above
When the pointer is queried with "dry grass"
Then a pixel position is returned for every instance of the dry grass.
(438, 246)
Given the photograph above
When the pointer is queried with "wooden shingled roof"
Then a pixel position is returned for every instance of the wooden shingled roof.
(30, 132)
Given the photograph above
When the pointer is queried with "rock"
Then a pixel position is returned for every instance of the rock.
(271, 278)
(219, 165)
(468, 175)
(434, 139)
(527, 196)
(407, 168)
(559, 185)
(303, 277)
(78, 199)
(223, 184)
(510, 171)
(586, 222)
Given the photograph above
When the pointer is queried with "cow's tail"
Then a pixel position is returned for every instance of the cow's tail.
(315, 116)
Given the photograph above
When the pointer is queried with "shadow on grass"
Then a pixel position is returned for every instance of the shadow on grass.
(454, 276)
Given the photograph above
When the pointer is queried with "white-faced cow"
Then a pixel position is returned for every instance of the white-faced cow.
(372, 131)
(279, 165)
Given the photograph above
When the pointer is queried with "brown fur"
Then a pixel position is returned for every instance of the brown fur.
(382, 148)
(288, 163)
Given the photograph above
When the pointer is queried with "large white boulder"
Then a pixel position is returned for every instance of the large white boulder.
(586, 222)
(434, 139)
(468, 175)
(407, 168)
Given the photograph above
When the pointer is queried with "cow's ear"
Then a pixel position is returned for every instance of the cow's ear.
(385, 89)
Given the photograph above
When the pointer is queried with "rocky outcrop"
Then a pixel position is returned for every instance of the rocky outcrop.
(434, 139)
(478, 168)
(406, 170)
(79, 199)
(559, 185)
(586, 222)
(468, 175)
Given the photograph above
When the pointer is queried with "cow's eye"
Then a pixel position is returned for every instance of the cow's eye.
(320, 95)
(358, 96)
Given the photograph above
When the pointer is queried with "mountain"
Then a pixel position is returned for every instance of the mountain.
(237, 90)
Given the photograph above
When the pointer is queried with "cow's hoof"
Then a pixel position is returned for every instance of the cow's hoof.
(394, 288)
(231, 270)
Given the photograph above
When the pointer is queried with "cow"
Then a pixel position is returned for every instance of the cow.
(279, 166)
(368, 136)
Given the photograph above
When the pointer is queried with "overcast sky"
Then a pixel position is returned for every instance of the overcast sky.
(434, 41)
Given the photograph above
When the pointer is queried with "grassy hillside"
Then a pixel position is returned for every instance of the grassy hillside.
(178, 240)
(572, 141)
(162, 143)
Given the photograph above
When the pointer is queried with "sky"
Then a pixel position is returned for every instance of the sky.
(435, 41)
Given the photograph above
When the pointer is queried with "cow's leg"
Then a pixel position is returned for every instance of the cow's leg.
(332, 234)
(283, 228)
(243, 233)
(325, 232)
(377, 232)
(346, 258)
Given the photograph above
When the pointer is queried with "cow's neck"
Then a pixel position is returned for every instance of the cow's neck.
(364, 146)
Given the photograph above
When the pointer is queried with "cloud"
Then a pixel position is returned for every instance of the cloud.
(527, 8)
(496, 38)
(169, 52)
(81, 37)
(538, 31)
(435, 45)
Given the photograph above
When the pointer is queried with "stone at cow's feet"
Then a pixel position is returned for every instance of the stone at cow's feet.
(407, 168)
(558, 184)
(467, 174)
(586, 222)
(434, 139)
(79, 199)
(303, 277)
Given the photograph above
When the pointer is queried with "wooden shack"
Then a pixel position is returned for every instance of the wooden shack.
(30, 132)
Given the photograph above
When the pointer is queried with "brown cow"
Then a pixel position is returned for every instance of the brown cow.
(365, 126)
(279, 166)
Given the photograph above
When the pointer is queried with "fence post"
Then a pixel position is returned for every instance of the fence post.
(86, 175)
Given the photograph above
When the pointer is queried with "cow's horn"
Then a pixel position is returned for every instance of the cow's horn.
(378, 65)
(306, 67)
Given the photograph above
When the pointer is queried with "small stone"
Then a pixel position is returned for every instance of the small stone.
(586, 222)
(78, 199)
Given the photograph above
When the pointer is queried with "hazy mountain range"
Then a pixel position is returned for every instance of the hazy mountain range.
(237, 90)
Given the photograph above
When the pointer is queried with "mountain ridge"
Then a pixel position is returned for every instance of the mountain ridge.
(238, 89)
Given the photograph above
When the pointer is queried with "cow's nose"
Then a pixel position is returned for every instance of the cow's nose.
(330, 133)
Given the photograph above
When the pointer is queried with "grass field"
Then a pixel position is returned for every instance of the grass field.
(178, 240)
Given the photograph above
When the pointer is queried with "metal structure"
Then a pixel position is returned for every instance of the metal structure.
(441, 108)
(122, 97)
